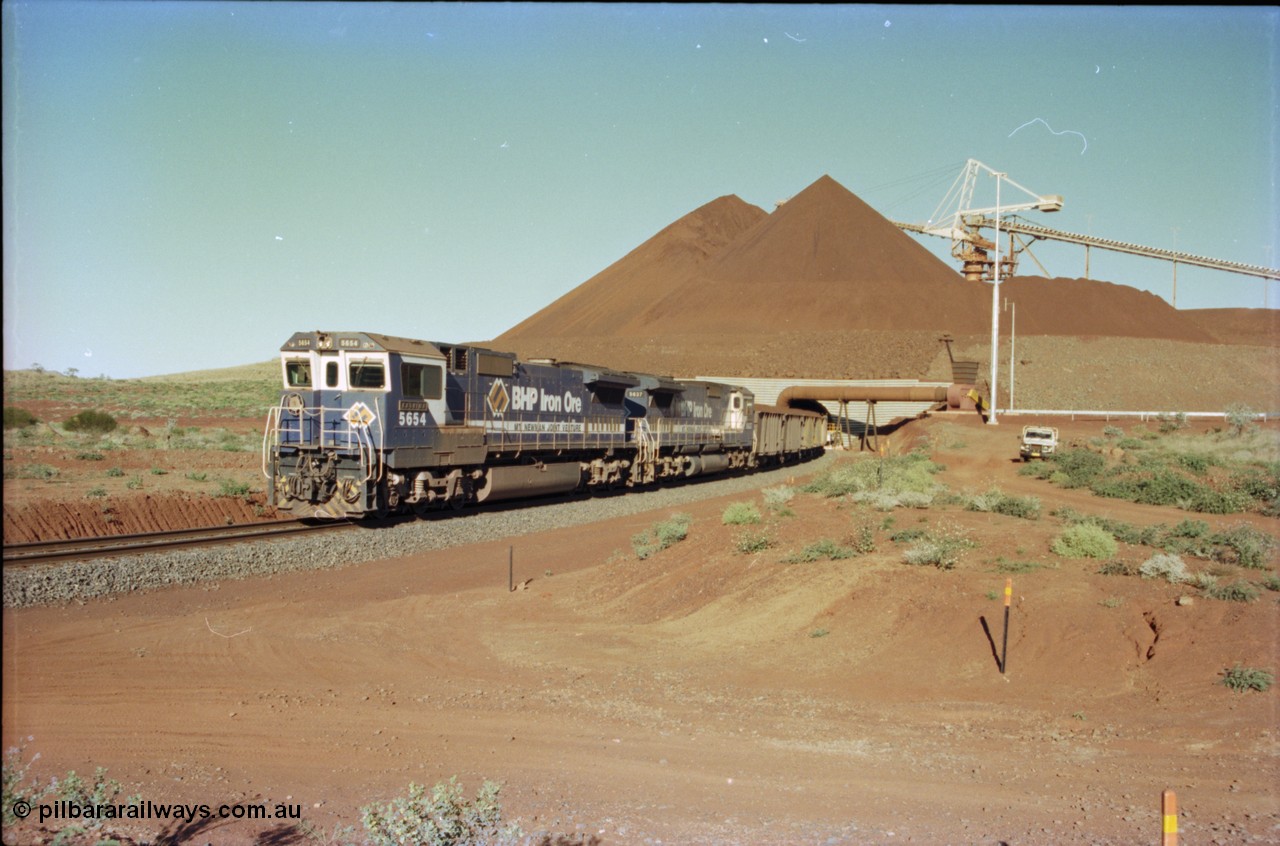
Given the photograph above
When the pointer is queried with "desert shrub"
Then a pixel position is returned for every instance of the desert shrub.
(15, 788)
(1084, 540)
(1171, 568)
(778, 498)
(741, 513)
(863, 540)
(115, 472)
(72, 789)
(907, 535)
(1238, 591)
(91, 421)
(1209, 501)
(90, 456)
(442, 818)
(1244, 545)
(1170, 423)
(1116, 568)
(230, 487)
(825, 549)
(1193, 463)
(96, 492)
(1261, 484)
(1016, 567)
(1272, 582)
(36, 471)
(1190, 529)
(750, 542)
(941, 549)
(1113, 431)
(898, 474)
(18, 418)
(1240, 679)
(1240, 419)
(1079, 467)
(670, 531)
(997, 502)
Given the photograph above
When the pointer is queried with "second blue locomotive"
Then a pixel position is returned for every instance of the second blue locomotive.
(373, 424)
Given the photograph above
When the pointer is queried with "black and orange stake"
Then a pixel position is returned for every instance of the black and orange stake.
(1169, 813)
(1004, 648)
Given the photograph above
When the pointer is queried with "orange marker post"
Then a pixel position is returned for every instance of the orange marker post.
(1169, 811)
(1004, 648)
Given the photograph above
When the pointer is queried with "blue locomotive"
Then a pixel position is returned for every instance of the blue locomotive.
(370, 424)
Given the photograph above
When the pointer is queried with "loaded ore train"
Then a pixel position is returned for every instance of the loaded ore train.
(370, 425)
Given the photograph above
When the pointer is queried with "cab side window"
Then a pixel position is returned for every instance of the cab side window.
(421, 381)
(331, 374)
(365, 375)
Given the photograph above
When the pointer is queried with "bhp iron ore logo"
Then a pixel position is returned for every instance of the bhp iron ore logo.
(498, 399)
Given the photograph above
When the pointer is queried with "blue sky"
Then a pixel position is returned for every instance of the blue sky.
(186, 183)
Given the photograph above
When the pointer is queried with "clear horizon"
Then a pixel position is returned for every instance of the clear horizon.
(188, 183)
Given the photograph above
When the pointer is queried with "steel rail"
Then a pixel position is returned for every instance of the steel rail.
(109, 546)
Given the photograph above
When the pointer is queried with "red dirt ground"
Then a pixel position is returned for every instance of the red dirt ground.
(688, 698)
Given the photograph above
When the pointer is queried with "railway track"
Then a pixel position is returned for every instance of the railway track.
(42, 552)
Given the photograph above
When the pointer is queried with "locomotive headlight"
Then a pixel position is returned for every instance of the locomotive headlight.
(294, 403)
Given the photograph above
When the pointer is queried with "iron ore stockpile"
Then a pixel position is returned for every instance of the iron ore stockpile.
(826, 287)
(81, 580)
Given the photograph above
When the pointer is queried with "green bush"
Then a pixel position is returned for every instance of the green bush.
(227, 487)
(1084, 540)
(1170, 423)
(98, 422)
(1239, 591)
(1244, 545)
(1016, 567)
(750, 542)
(1171, 568)
(741, 513)
(941, 549)
(825, 549)
(778, 498)
(997, 502)
(1240, 419)
(1116, 568)
(18, 418)
(661, 536)
(1079, 467)
(1208, 501)
(1240, 679)
(899, 474)
(36, 471)
(863, 541)
(72, 789)
(443, 818)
